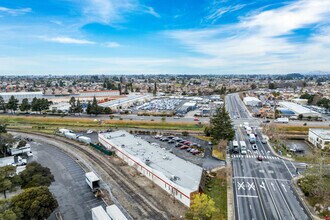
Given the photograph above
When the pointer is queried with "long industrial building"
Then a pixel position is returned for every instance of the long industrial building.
(21, 95)
(300, 110)
(176, 176)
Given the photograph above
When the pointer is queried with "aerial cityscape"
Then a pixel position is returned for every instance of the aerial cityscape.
(134, 109)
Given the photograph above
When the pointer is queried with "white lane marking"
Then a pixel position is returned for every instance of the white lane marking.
(259, 178)
(262, 185)
(270, 171)
(247, 196)
(260, 200)
(293, 166)
(237, 203)
(261, 171)
(273, 200)
(287, 168)
(284, 187)
(272, 186)
(251, 186)
(285, 199)
(240, 185)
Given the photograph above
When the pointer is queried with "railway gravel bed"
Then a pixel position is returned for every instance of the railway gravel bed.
(135, 199)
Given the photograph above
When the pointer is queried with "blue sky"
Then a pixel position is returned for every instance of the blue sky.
(159, 37)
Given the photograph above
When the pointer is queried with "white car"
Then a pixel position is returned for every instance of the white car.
(29, 154)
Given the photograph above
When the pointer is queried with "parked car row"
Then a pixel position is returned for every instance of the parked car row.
(181, 143)
(166, 104)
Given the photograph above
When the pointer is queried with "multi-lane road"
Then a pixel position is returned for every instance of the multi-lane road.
(262, 189)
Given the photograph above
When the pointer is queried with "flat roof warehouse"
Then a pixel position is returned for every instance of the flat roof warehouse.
(180, 174)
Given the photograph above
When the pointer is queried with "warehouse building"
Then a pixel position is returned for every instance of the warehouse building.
(252, 101)
(176, 176)
(319, 137)
(300, 110)
(21, 95)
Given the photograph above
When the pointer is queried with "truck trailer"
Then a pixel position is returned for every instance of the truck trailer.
(93, 181)
(115, 213)
(98, 213)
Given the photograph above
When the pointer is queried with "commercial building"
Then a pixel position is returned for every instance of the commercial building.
(300, 101)
(319, 137)
(300, 110)
(21, 95)
(252, 101)
(176, 176)
(126, 102)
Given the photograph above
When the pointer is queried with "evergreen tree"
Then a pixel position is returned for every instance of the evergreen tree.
(73, 106)
(119, 88)
(154, 92)
(35, 104)
(89, 108)
(95, 109)
(25, 105)
(12, 104)
(2, 104)
(78, 107)
(221, 127)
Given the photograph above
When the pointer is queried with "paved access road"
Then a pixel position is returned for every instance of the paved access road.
(70, 189)
(262, 189)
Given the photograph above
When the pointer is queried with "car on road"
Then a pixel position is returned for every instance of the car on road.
(196, 119)
(264, 141)
(158, 136)
(260, 158)
(176, 117)
(266, 121)
(29, 154)
(254, 147)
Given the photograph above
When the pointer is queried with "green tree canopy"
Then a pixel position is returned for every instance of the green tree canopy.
(34, 203)
(25, 105)
(12, 104)
(8, 179)
(221, 127)
(202, 208)
(36, 175)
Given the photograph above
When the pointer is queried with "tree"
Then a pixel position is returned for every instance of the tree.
(35, 104)
(202, 208)
(78, 107)
(89, 108)
(21, 144)
(95, 109)
(25, 105)
(73, 106)
(8, 179)
(154, 92)
(34, 203)
(253, 86)
(221, 127)
(271, 86)
(2, 104)
(119, 88)
(36, 175)
(12, 104)
(6, 140)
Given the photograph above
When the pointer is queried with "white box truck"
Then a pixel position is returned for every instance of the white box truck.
(243, 147)
(70, 135)
(98, 213)
(282, 120)
(84, 139)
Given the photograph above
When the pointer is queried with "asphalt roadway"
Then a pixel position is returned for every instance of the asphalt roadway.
(262, 189)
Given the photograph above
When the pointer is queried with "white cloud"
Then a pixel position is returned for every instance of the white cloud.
(111, 44)
(151, 11)
(67, 40)
(15, 12)
(261, 42)
(216, 12)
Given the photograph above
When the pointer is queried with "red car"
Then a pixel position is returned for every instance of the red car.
(260, 158)
(184, 147)
(196, 119)
(187, 142)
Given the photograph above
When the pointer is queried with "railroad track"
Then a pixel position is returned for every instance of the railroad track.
(147, 207)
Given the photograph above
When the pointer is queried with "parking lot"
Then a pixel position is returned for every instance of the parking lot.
(70, 189)
(204, 159)
(165, 104)
(300, 147)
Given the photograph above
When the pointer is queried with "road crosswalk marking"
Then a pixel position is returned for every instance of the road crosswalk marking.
(254, 156)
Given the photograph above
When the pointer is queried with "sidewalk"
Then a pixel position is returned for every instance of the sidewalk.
(230, 196)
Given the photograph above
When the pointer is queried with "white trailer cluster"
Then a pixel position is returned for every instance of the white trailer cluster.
(112, 213)
(84, 139)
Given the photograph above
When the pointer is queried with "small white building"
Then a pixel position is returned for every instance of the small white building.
(319, 137)
(252, 101)
(176, 176)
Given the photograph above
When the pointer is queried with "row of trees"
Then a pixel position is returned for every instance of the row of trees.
(316, 99)
(37, 105)
(94, 109)
(75, 106)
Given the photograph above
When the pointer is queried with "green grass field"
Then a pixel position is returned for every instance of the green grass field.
(50, 124)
